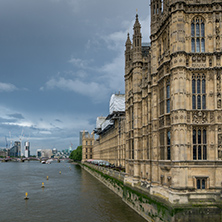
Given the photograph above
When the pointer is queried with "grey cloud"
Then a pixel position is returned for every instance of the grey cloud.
(58, 120)
(3, 120)
(16, 116)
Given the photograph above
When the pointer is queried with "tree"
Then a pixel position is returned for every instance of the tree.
(76, 154)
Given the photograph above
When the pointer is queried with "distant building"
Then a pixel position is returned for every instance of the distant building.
(87, 146)
(27, 149)
(45, 153)
(80, 136)
(54, 151)
(4, 152)
(110, 144)
(39, 153)
(15, 150)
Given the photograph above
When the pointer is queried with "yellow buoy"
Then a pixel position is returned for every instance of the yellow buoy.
(60, 172)
(43, 185)
(47, 177)
(26, 196)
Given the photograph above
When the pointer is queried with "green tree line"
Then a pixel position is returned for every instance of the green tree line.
(76, 154)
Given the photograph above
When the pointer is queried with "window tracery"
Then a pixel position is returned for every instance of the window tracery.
(199, 144)
(198, 35)
(198, 91)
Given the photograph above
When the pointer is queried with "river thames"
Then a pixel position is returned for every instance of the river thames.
(73, 195)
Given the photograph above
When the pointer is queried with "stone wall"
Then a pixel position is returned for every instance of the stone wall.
(110, 145)
(148, 206)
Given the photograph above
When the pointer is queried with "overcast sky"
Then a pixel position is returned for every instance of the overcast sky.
(60, 61)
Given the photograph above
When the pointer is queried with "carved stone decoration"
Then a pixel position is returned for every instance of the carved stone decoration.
(219, 103)
(161, 121)
(210, 20)
(209, 37)
(188, 117)
(199, 117)
(199, 61)
(189, 128)
(211, 94)
(219, 154)
(167, 120)
(218, 90)
(220, 146)
(212, 128)
(218, 60)
(217, 29)
(211, 117)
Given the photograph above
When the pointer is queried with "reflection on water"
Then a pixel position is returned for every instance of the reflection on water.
(73, 195)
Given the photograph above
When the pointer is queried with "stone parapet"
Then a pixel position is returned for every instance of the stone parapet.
(142, 198)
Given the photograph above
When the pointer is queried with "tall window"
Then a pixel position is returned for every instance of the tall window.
(168, 145)
(168, 96)
(148, 150)
(132, 149)
(161, 100)
(199, 91)
(164, 97)
(199, 144)
(165, 141)
(197, 35)
(162, 145)
(132, 115)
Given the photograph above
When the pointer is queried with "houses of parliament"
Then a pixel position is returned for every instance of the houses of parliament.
(168, 137)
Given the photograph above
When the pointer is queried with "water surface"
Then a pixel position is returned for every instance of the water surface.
(73, 195)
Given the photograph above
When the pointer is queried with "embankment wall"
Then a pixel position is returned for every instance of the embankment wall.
(148, 206)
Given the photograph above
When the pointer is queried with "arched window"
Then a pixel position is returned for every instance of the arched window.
(168, 96)
(198, 91)
(197, 35)
(199, 144)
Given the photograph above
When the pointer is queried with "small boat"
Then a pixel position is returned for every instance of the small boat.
(43, 162)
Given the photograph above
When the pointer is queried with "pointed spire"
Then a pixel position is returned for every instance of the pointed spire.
(137, 37)
(136, 24)
(128, 42)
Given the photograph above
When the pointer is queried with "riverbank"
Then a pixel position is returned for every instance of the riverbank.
(150, 207)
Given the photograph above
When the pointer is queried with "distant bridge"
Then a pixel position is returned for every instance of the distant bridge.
(17, 159)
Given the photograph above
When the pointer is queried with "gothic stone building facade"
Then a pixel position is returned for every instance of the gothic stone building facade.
(173, 101)
(110, 145)
(172, 142)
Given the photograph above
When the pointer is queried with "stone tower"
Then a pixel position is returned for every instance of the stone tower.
(173, 101)
(137, 56)
(87, 146)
